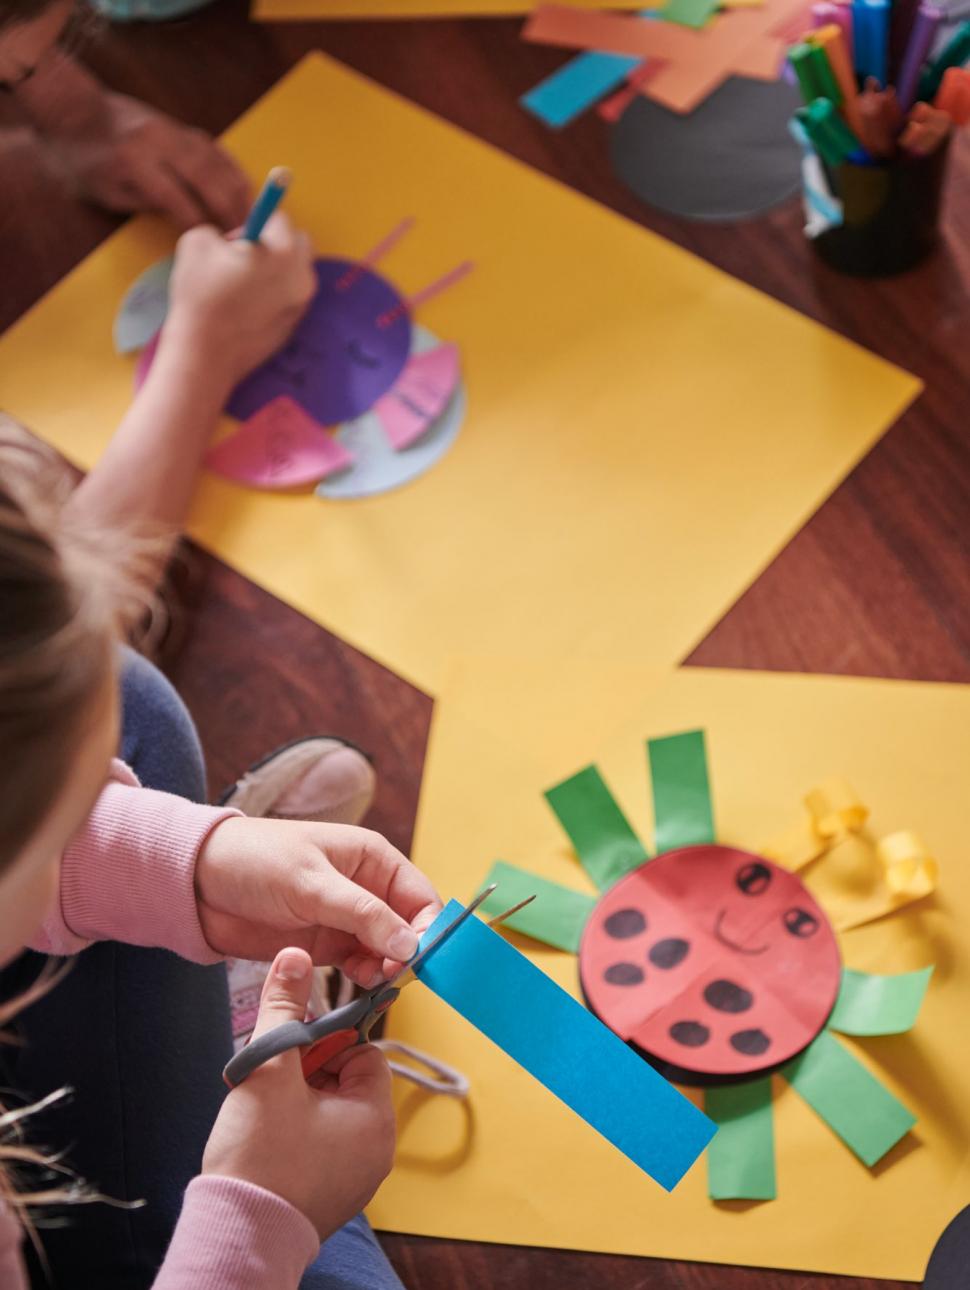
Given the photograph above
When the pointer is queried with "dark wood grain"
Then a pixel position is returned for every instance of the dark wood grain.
(878, 583)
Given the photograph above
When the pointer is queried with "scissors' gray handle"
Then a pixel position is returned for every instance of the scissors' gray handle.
(291, 1034)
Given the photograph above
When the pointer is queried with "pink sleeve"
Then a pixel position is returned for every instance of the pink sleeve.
(13, 1276)
(129, 873)
(233, 1235)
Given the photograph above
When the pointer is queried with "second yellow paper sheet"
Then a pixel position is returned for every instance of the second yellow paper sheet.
(644, 432)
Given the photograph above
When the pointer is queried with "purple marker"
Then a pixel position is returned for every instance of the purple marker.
(925, 26)
(826, 13)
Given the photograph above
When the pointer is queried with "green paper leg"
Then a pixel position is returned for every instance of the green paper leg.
(741, 1157)
(879, 1005)
(682, 811)
(606, 845)
(557, 916)
(853, 1103)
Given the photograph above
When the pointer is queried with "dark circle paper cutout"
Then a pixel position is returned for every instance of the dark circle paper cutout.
(731, 158)
(690, 1033)
(726, 996)
(668, 953)
(751, 1042)
(947, 1269)
(725, 959)
(348, 350)
(625, 923)
(623, 974)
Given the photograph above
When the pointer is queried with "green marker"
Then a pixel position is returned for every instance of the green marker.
(816, 80)
(832, 138)
(954, 53)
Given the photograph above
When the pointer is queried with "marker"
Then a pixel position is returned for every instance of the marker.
(833, 140)
(881, 119)
(927, 129)
(925, 27)
(954, 53)
(954, 95)
(831, 39)
(901, 19)
(272, 193)
(826, 14)
(816, 79)
(870, 30)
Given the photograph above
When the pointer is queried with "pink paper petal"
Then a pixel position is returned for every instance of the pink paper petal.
(419, 395)
(280, 446)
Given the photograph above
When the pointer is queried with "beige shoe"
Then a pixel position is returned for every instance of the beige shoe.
(319, 778)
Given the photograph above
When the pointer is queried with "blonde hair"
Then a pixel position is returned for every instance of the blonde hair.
(67, 591)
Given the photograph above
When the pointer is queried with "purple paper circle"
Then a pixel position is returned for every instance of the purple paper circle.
(348, 350)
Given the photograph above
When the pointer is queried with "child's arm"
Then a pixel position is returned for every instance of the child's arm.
(232, 304)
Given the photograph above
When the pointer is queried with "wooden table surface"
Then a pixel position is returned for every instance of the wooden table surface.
(876, 584)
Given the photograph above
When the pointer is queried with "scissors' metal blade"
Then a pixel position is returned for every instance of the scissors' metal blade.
(500, 918)
(442, 936)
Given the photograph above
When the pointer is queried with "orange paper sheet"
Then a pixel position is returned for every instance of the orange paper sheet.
(695, 63)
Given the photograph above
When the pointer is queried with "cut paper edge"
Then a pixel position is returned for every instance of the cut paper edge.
(602, 836)
(278, 447)
(855, 1105)
(682, 809)
(556, 917)
(741, 1156)
(879, 1005)
(419, 396)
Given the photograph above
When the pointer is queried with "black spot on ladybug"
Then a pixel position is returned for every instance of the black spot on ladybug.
(800, 923)
(752, 1043)
(690, 1033)
(753, 878)
(625, 923)
(726, 996)
(669, 952)
(624, 974)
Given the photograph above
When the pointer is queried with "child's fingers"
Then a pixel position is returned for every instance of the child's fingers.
(362, 1071)
(286, 991)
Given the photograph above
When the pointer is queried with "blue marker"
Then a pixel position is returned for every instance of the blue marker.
(870, 37)
(271, 194)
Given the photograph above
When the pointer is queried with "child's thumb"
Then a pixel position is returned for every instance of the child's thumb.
(286, 991)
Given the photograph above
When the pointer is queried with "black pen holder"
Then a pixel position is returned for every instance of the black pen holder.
(891, 214)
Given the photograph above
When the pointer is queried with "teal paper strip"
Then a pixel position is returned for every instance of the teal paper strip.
(557, 916)
(741, 1158)
(483, 977)
(853, 1103)
(879, 1005)
(605, 843)
(577, 85)
(682, 811)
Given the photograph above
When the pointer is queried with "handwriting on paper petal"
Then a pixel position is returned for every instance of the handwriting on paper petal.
(279, 447)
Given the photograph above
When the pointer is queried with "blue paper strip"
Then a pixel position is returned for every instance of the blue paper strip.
(557, 1041)
(580, 83)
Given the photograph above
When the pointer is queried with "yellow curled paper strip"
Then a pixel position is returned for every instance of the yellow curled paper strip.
(911, 872)
(835, 809)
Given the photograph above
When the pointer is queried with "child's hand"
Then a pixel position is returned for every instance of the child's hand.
(342, 893)
(325, 1150)
(235, 302)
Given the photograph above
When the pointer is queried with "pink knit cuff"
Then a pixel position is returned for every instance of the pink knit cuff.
(129, 874)
(233, 1235)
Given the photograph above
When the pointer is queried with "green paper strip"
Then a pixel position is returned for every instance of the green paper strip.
(853, 1103)
(606, 845)
(556, 916)
(689, 13)
(741, 1157)
(879, 1005)
(682, 811)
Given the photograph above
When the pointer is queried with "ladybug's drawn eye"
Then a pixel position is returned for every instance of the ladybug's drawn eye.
(753, 878)
(800, 923)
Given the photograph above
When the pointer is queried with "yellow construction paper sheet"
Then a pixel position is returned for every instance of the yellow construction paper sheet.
(306, 10)
(644, 432)
(514, 1166)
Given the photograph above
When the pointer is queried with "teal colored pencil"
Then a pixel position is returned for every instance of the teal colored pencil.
(270, 196)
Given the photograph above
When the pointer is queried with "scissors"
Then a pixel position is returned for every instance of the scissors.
(334, 1032)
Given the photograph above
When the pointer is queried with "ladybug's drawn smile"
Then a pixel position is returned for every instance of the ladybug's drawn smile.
(734, 945)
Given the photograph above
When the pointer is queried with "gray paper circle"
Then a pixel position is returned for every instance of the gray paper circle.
(732, 157)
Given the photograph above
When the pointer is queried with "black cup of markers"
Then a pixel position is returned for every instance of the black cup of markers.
(891, 214)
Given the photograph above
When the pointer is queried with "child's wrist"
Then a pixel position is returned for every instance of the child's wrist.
(189, 348)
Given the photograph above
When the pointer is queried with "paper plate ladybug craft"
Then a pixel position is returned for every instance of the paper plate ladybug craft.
(361, 399)
(719, 965)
